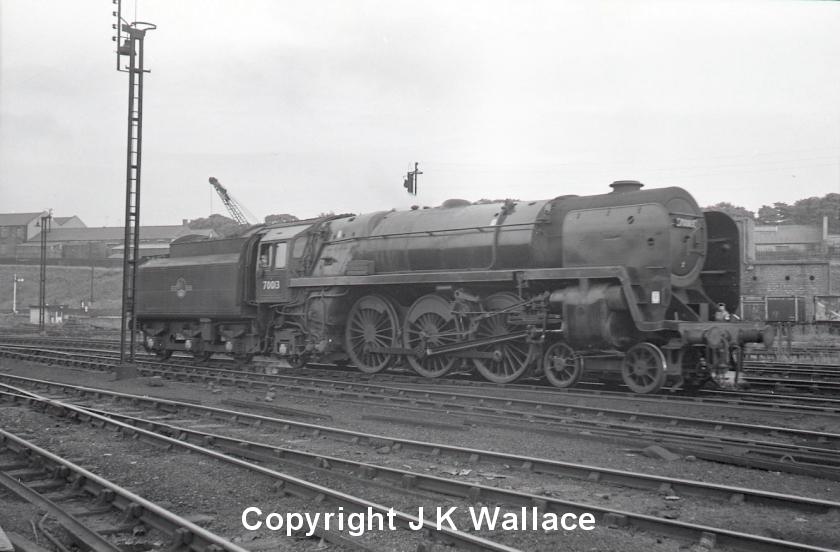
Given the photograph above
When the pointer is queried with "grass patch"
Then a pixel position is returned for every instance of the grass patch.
(65, 285)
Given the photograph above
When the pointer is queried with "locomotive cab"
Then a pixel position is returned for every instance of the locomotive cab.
(280, 256)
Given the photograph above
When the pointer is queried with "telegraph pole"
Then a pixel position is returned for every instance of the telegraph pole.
(42, 293)
(130, 39)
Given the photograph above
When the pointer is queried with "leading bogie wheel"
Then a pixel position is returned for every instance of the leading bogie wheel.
(430, 323)
(510, 359)
(163, 355)
(563, 367)
(643, 368)
(372, 322)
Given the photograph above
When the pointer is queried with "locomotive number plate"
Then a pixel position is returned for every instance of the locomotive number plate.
(685, 223)
(271, 284)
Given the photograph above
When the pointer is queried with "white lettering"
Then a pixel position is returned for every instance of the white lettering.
(371, 514)
(587, 518)
(289, 527)
(446, 517)
(484, 514)
(511, 522)
(272, 525)
(419, 524)
(391, 515)
(563, 522)
(549, 522)
(245, 521)
(356, 529)
(685, 223)
(311, 522)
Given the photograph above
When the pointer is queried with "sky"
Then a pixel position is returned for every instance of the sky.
(318, 106)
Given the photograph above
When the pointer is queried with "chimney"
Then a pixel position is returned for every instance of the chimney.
(624, 186)
(185, 222)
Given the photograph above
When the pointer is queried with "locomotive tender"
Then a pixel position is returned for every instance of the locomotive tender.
(623, 284)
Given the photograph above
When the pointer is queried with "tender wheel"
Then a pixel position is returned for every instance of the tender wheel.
(562, 366)
(202, 357)
(243, 359)
(643, 368)
(430, 323)
(163, 355)
(510, 358)
(372, 322)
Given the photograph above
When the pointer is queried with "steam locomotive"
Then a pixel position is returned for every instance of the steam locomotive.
(633, 284)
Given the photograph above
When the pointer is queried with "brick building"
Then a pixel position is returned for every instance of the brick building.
(785, 261)
(16, 229)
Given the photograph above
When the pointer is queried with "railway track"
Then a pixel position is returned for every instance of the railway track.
(429, 389)
(764, 376)
(308, 493)
(760, 402)
(182, 436)
(73, 355)
(767, 447)
(71, 494)
(775, 448)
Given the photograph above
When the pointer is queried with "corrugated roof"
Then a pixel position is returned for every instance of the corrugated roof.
(18, 219)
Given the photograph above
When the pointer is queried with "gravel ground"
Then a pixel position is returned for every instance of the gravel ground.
(192, 485)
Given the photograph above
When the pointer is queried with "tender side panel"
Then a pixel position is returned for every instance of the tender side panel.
(189, 287)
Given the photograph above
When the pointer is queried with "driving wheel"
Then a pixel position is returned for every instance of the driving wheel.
(372, 322)
(510, 359)
(430, 323)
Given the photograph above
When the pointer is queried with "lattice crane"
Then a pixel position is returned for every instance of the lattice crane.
(233, 207)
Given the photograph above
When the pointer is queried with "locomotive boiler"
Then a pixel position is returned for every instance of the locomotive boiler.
(629, 284)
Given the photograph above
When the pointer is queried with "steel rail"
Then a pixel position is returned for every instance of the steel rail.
(768, 456)
(185, 532)
(80, 532)
(312, 459)
(724, 537)
(793, 458)
(786, 368)
(541, 408)
(290, 484)
(567, 409)
(757, 401)
(473, 456)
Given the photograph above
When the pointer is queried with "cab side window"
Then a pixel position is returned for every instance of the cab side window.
(280, 255)
(299, 247)
(266, 256)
